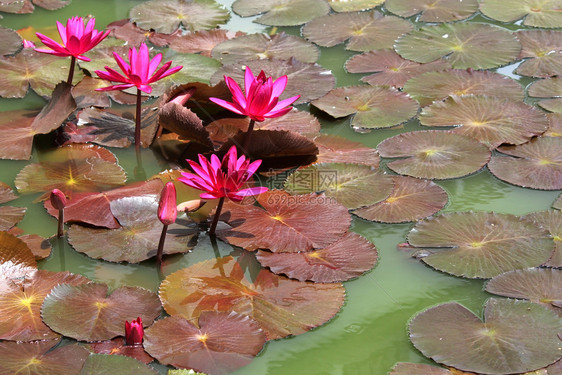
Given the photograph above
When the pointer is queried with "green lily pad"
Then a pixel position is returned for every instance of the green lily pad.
(491, 120)
(352, 185)
(353, 5)
(536, 164)
(10, 216)
(481, 244)
(373, 107)
(366, 31)
(166, 16)
(390, 68)
(434, 154)
(544, 51)
(87, 313)
(551, 220)
(515, 337)
(105, 364)
(119, 347)
(543, 13)
(464, 45)
(410, 200)
(281, 12)
(220, 343)
(345, 259)
(281, 306)
(137, 239)
(336, 149)
(433, 11)
(10, 42)
(432, 86)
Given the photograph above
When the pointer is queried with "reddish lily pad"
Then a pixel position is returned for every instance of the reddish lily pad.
(85, 94)
(411, 200)
(40, 358)
(201, 42)
(10, 216)
(281, 306)
(220, 343)
(536, 164)
(352, 185)
(390, 68)
(434, 154)
(335, 149)
(551, 220)
(166, 16)
(554, 125)
(433, 86)
(433, 11)
(137, 239)
(366, 31)
(281, 13)
(537, 13)
(39, 246)
(10, 42)
(374, 107)
(464, 45)
(490, 120)
(87, 313)
(185, 123)
(21, 300)
(6, 193)
(515, 337)
(286, 223)
(15, 253)
(353, 5)
(134, 35)
(119, 347)
(545, 53)
(546, 88)
(60, 106)
(104, 364)
(262, 46)
(481, 244)
(345, 259)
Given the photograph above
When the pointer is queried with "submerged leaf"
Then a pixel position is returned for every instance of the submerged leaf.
(544, 13)
(281, 13)
(433, 11)
(118, 346)
(104, 364)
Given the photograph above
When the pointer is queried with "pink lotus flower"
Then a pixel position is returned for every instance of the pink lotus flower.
(167, 210)
(261, 100)
(141, 71)
(134, 332)
(76, 39)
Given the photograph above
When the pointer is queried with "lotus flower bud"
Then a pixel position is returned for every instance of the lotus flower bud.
(167, 210)
(134, 332)
(58, 199)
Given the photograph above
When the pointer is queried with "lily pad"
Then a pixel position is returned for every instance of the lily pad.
(85, 94)
(345, 259)
(544, 13)
(286, 223)
(10, 216)
(15, 253)
(552, 105)
(558, 203)
(491, 120)
(87, 313)
(10, 42)
(137, 239)
(403, 368)
(434, 154)
(433, 11)
(262, 46)
(464, 45)
(374, 107)
(118, 346)
(281, 12)
(366, 31)
(411, 200)
(390, 68)
(544, 51)
(166, 16)
(515, 337)
(335, 149)
(39, 246)
(220, 343)
(481, 244)
(281, 306)
(102, 55)
(551, 220)
(429, 87)
(353, 5)
(6, 193)
(104, 364)
(536, 164)
(546, 88)
(352, 185)
(554, 125)
(51, 4)
(202, 41)
(60, 106)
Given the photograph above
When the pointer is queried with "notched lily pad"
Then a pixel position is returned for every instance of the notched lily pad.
(546, 88)
(15, 253)
(537, 13)
(10, 42)
(281, 12)
(60, 106)
(118, 346)
(544, 51)
(335, 149)
(433, 11)
(6, 193)
(551, 220)
(16, 136)
(104, 364)
(202, 41)
(353, 5)
(10, 216)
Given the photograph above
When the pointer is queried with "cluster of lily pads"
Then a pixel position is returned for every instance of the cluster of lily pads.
(219, 316)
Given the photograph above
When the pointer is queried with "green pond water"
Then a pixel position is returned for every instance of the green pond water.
(369, 335)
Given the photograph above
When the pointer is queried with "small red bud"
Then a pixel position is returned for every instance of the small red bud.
(58, 199)
(167, 210)
(134, 332)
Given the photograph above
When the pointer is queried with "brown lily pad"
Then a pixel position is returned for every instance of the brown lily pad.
(10, 216)
(551, 220)
(15, 253)
(85, 94)
(433, 11)
(546, 88)
(10, 42)
(104, 364)
(118, 346)
(335, 149)
(539, 14)
(353, 5)
(403, 368)
(60, 106)
(544, 51)
(554, 125)
(281, 13)
(202, 41)
(39, 246)
(6, 193)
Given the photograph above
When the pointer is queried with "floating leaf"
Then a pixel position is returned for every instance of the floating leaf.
(554, 125)
(85, 94)
(51, 4)
(281, 13)
(551, 220)
(182, 121)
(335, 149)
(558, 203)
(286, 223)
(546, 88)
(389, 67)
(60, 106)
(552, 105)
(374, 107)
(481, 244)
(6, 193)
(429, 87)
(86, 312)
(353, 5)
(433, 11)
(104, 364)
(166, 16)
(20, 304)
(545, 52)
(402, 368)
(365, 30)
(119, 347)
(15, 253)
(545, 13)
(411, 200)
(262, 46)
(137, 239)
(515, 337)
(536, 164)
(102, 55)
(352, 185)
(220, 343)
(464, 45)
(434, 154)
(134, 36)
(490, 120)
(200, 41)
(281, 306)
(10, 42)
(39, 246)
(345, 259)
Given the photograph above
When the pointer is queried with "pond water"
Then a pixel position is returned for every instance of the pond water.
(369, 335)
